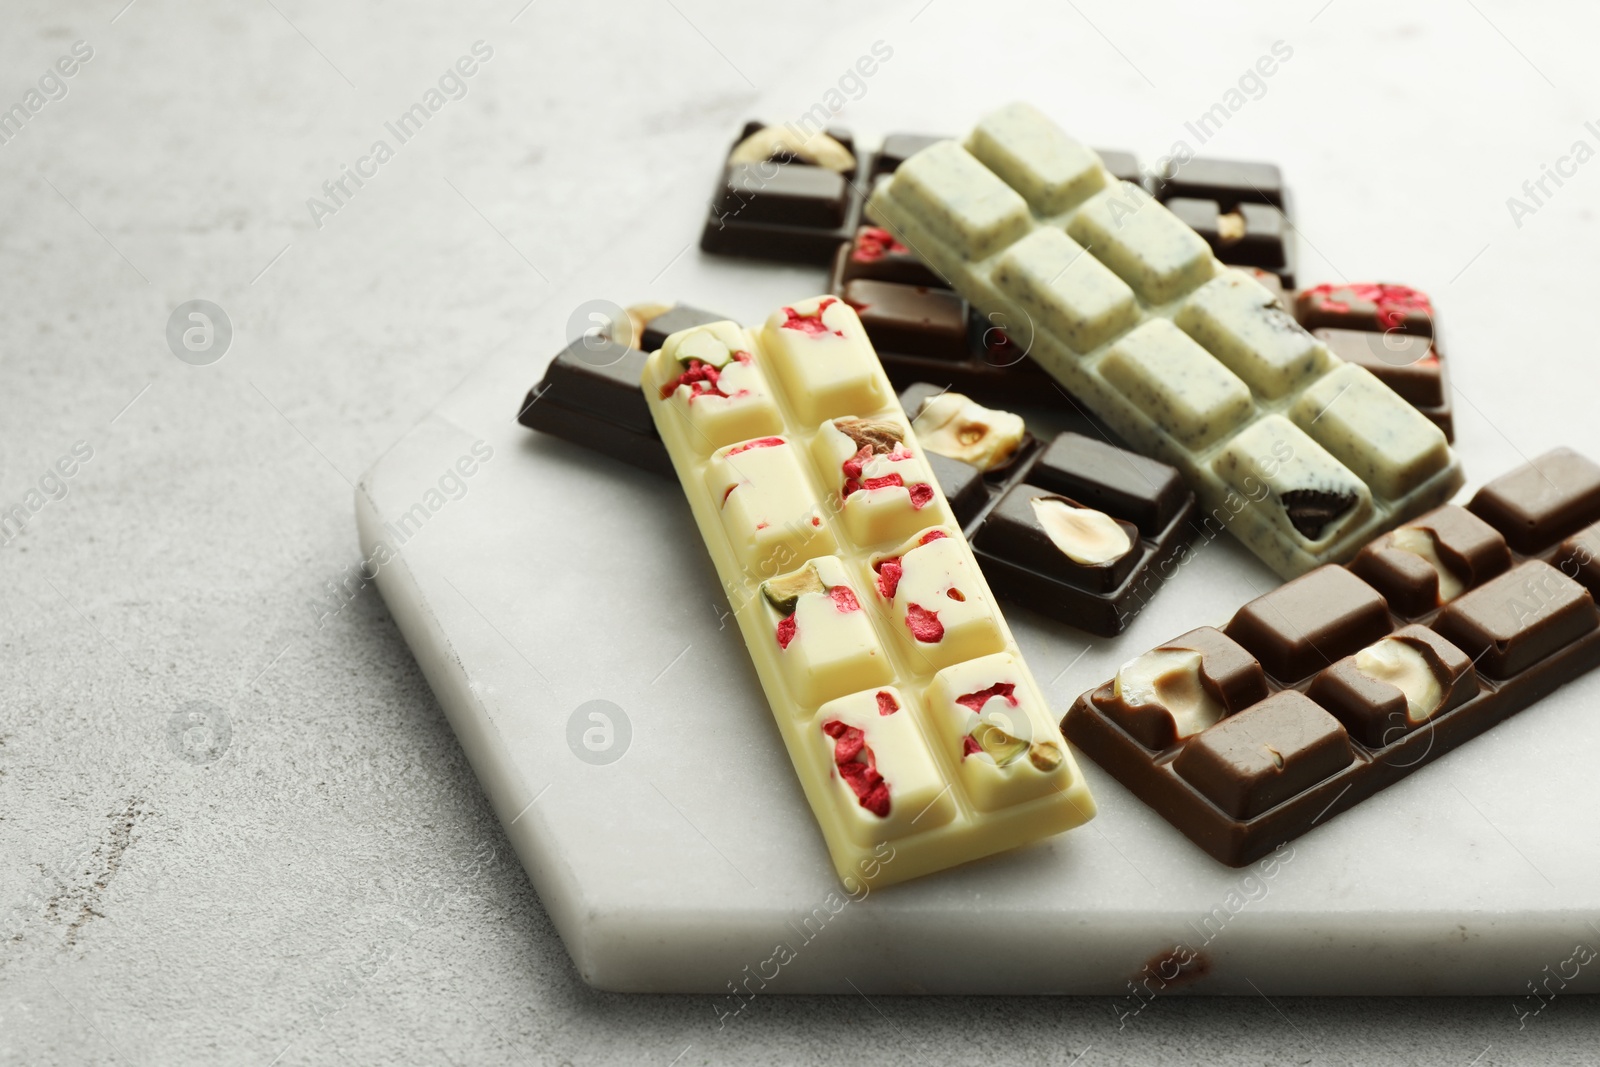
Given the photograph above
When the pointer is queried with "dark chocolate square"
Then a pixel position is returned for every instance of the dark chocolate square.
(1519, 618)
(679, 317)
(789, 194)
(598, 376)
(1310, 622)
(1375, 712)
(1124, 166)
(1013, 532)
(1254, 760)
(1537, 505)
(899, 147)
(962, 485)
(1252, 235)
(1369, 306)
(914, 320)
(1146, 492)
(1227, 181)
(875, 255)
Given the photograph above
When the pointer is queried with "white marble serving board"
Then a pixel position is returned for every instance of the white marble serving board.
(560, 577)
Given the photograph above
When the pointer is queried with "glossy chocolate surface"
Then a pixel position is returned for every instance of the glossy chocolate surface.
(1361, 691)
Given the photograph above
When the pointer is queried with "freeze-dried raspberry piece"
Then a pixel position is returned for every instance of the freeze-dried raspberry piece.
(924, 624)
(974, 702)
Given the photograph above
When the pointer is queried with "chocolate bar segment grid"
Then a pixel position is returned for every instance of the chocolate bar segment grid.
(916, 729)
(1345, 680)
(1302, 456)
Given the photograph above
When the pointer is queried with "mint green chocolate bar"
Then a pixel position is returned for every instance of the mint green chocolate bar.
(1302, 456)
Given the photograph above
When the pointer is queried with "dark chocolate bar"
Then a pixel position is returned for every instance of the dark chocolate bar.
(1075, 528)
(590, 393)
(1345, 680)
(785, 196)
(1389, 330)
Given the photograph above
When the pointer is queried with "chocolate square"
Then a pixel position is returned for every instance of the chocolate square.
(899, 147)
(1227, 181)
(961, 483)
(598, 376)
(875, 255)
(911, 319)
(1254, 760)
(789, 194)
(1123, 166)
(1367, 306)
(1471, 549)
(1579, 557)
(1146, 492)
(1252, 235)
(669, 322)
(1375, 712)
(1518, 619)
(1307, 624)
(1537, 505)
(1406, 363)
(1228, 674)
(1013, 532)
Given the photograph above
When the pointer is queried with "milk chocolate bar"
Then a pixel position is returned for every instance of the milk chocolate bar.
(1302, 456)
(1345, 680)
(917, 731)
(785, 196)
(1390, 330)
(1075, 528)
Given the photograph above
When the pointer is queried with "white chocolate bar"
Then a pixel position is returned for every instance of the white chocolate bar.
(1303, 457)
(920, 737)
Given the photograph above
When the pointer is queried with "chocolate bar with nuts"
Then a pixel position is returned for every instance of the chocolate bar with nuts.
(1345, 680)
(785, 195)
(915, 727)
(1074, 528)
(1391, 331)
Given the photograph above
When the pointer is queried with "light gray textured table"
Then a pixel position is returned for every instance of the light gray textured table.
(234, 826)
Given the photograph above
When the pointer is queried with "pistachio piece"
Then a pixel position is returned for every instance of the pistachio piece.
(1085, 536)
(714, 345)
(784, 591)
(782, 145)
(1419, 542)
(1404, 667)
(1169, 678)
(952, 425)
